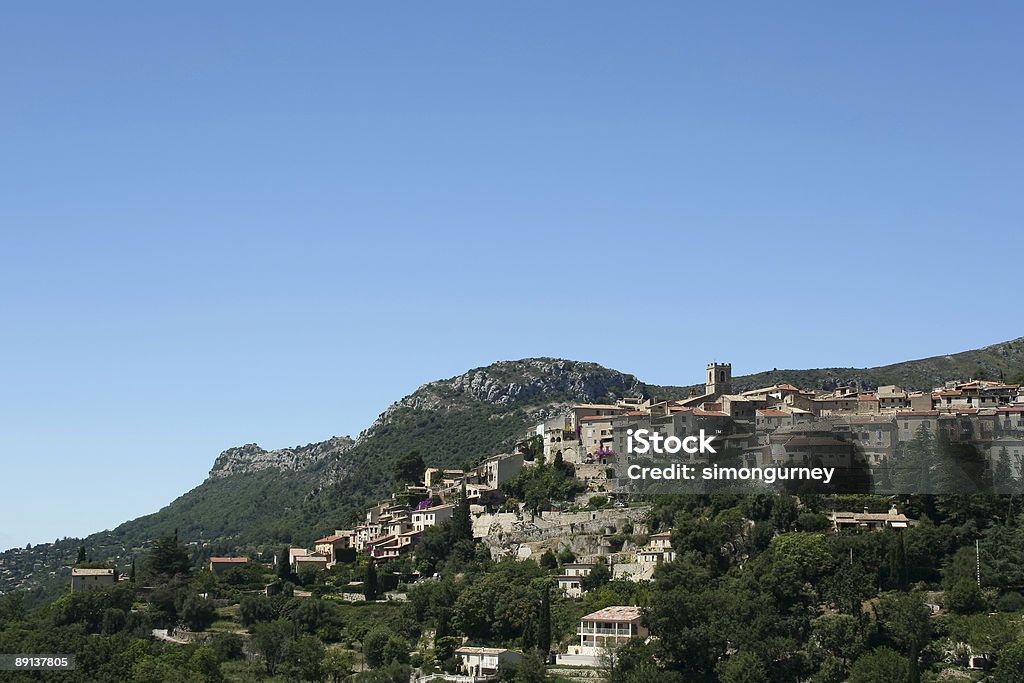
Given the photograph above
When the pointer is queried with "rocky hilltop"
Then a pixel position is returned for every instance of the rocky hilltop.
(252, 458)
(508, 384)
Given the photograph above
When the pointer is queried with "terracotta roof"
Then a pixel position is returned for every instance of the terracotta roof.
(617, 613)
(229, 560)
(771, 412)
(596, 418)
(330, 539)
(709, 413)
(867, 397)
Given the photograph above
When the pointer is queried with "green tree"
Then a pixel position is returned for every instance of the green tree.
(197, 613)
(742, 667)
(461, 528)
(883, 664)
(302, 659)
(548, 560)
(848, 587)
(544, 620)
(205, 663)
(1010, 664)
(839, 635)
(597, 577)
(370, 586)
(168, 557)
(408, 469)
(965, 597)
(269, 639)
(256, 608)
(531, 670)
(898, 563)
(374, 643)
(337, 665)
(906, 620)
(227, 646)
(81, 555)
(283, 568)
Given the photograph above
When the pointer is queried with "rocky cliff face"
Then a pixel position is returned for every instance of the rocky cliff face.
(252, 458)
(511, 384)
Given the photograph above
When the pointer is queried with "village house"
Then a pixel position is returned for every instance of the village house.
(1010, 420)
(892, 397)
(570, 582)
(875, 521)
(314, 559)
(431, 516)
(658, 550)
(481, 663)
(330, 545)
(219, 565)
(599, 631)
(498, 469)
(88, 579)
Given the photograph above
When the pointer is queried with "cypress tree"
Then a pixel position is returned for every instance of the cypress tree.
(462, 525)
(544, 621)
(370, 585)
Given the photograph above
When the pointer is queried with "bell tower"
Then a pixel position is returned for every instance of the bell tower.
(719, 379)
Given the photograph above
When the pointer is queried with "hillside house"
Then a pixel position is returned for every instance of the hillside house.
(481, 663)
(610, 627)
(570, 582)
(219, 565)
(893, 519)
(88, 579)
(329, 546)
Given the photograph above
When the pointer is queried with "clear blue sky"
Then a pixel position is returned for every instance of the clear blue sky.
(249, 223)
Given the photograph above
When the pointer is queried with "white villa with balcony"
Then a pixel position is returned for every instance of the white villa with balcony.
(610, 627)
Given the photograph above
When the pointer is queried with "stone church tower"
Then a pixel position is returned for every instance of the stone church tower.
(719, 379)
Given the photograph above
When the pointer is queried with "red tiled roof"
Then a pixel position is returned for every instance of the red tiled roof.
(330, 539)
(231, 560)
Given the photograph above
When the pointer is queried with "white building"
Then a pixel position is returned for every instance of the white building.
(610, 627)
(481, 663)
(570, 582)
(432, 516)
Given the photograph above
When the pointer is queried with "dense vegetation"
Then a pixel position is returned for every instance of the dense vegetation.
(758, 593)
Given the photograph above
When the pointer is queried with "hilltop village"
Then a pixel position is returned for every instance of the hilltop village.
(603, 530)
(541, 563)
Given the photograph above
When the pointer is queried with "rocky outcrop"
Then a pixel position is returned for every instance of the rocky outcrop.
(518, 383)
(252, 458)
